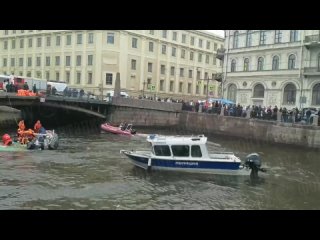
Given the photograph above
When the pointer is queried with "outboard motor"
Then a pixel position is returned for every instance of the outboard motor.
(253, 161)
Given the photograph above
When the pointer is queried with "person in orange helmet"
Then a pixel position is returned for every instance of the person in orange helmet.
(37, 126)
(6, 140)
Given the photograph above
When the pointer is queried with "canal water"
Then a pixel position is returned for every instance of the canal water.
(88, 172)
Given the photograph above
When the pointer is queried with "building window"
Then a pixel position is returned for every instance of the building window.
(108, 78)
(79, 38)
(151, 32)
(316, 94)
(58, 40)
(181, 72)
(204, 89)
(189, 88)
(249, 38)
(90, 60)
(172, 71)
(260, 64)
(47, 61)
(263, 37)
(199, 57)
(235, 39)
(198, 75)
(275, 63)
(214, 61)
(134, 43)
(164, 49)
(48, 41)
(30, 42)
(78, 77)
(28, 74)
(183, 53)
(90, 39)
(69, 39)
(29, 61)
(78, 60)
(22, 31)
(150, 46)
(38, 61)
(171, 86)
(68, 77)
(190, 73)
(5, 45)
(174, 36)
(208, 45)
(13, 31)
(192, 41)
(161, 85)
(197, 89)
(232, 92)
(13, 44)
(184, 37)
(164, 33)
(13, 61)
(293, 35)
(180, 87)
(163, 69)
(291, 61)
(20, 73)
(191, 56)
(200, 43)
(110, 38)
(289, 95)
(21, 43)
(277, 36)
(57, 60)
(215, 46)
(133, 64)
(246, 65)
(68, 61)
(258, 91)
(149, 67)
(233, 65)
(6, 32)
(207, 59)
(205, 75)
(39, 42)
(89, 77)
(57, 76)
(20, 62)
(173, 53)
(4, 62)
(38, 74)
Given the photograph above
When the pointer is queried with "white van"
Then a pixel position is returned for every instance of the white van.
(110, 94)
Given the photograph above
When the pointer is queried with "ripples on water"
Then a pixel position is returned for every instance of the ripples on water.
(88, 172)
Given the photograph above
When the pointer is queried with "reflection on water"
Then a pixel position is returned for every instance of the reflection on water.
(88, 172)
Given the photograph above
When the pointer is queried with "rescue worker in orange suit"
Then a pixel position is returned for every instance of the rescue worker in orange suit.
(6, 140)
(37, 126)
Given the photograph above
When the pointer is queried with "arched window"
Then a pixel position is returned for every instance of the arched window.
(232, 92)
(249, 38)
(246, 65)
(258, 91)
(289, 95)
(275, 63)
(316, 94)
(293, 35)
(260, 64)
(233, 65)
(235, 39)
(291, 61)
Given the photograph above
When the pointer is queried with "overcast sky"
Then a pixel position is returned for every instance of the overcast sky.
(219, 32)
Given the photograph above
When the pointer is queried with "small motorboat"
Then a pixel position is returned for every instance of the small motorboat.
(189, 153)
(122, 129)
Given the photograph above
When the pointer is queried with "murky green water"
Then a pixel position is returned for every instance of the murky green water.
(88, 172)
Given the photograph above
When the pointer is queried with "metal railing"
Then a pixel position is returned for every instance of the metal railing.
(312, 70)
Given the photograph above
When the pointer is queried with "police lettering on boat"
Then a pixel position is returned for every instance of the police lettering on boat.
(189, 153)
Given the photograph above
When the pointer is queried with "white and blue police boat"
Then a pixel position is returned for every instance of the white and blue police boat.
(189, 153)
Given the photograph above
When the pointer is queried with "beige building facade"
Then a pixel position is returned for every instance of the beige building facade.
(166, 63)
(272, 67)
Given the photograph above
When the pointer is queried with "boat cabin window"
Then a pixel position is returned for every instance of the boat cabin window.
(180, 150)
(196, 151)
(162, 150)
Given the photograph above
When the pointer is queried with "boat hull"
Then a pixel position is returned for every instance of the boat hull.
(115, 130)
(201, 166)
